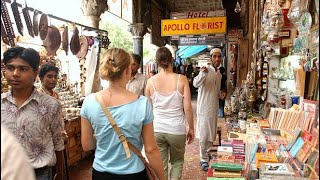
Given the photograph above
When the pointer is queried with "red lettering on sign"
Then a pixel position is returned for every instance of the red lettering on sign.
(194, 26)
(216, 25)
(210, 25)
(221, 24)
(197, 14)
(187, 26)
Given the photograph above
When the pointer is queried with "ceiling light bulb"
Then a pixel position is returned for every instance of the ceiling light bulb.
(237, 9)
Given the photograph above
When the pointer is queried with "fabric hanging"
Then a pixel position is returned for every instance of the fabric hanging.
(90, 65)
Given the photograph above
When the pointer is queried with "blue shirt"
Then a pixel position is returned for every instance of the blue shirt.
(110, 155)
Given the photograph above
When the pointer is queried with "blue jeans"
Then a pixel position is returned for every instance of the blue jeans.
(44, 173)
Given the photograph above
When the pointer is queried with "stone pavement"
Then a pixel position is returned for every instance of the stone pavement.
(191, 168)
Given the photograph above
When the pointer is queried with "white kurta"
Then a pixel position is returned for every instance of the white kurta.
(207, 103)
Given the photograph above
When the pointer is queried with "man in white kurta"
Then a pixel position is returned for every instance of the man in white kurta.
(208, 81)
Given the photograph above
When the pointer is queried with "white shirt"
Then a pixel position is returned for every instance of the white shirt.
(14, 161)
(137, 84)
(207, 103)
(168, 111)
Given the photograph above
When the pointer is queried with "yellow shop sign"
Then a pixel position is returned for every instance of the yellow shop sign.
(194, 26)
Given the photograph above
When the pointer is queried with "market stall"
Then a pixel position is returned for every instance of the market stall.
(272, 117)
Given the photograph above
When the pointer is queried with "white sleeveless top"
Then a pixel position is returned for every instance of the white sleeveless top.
(168, 111)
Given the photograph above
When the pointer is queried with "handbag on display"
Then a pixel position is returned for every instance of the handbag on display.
(125, 142)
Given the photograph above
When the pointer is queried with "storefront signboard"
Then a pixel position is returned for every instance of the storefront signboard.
(200, 40)
(194, 26)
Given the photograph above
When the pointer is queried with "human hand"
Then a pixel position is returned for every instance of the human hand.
(204, 69)
(190, 136)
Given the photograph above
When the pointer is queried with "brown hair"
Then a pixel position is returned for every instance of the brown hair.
(113, 63)
(163, 57)
(136, 58)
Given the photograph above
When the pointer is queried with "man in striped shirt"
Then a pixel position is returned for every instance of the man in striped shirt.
(138, 81)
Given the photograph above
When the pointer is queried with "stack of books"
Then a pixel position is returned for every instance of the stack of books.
(224, 169)
(238, 147)
(224, 166)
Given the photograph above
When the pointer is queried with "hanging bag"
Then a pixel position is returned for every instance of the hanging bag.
(125, 142)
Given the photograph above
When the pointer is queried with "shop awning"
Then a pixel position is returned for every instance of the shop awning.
(188, 51)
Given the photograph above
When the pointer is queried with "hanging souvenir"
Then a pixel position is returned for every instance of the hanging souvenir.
(7, 24)
(296, 10)
(305, 23)
(17, 18)
(27, 18)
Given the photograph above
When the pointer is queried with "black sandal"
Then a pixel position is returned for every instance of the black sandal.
(204, 165)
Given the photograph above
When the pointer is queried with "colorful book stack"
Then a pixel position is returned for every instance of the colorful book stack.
(238, 150)
(220, 169)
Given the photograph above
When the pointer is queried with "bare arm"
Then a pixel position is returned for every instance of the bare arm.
(152, 150)
(148, 90)
(87, 139)
(145, 85)
(188, 109)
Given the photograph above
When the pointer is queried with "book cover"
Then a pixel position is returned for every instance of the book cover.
(224, 149)
(226, 143)
(312, 164)
(225, 166)
(282, 148)
(306, 136)
(263, 124)
(237, 142)
(296, 147)
(315, 137)
(296, 135)
(304, 151)
(253, 152)
(226, 174)
(225, 158)
(264, 158)
(276, 169)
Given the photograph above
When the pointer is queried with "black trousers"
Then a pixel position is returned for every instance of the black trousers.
(96, 175)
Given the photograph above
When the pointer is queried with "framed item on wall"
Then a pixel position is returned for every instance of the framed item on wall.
(314, 39)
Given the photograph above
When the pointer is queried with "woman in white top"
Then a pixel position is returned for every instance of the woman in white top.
(170, 96)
